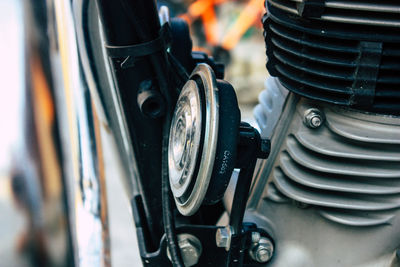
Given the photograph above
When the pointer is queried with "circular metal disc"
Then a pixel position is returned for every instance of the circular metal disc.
(185, 140)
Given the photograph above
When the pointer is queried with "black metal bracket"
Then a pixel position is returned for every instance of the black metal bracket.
(212, 255)
(251, 147)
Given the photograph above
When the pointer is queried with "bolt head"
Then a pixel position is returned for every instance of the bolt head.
(316, 121)
(263, 255)
(263, 251)
(190, 247)
(190, 253)
(223, 237)
(313, 118)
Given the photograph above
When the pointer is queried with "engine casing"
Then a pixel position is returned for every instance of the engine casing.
(329, 195)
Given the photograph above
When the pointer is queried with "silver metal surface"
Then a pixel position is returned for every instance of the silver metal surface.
(314, 165)
(195, 199)
(184, 139)
(347, 172)
(313, 118)
(88, 202)
(191, 249)
(223, 237)
(262, 251)
(379, 13)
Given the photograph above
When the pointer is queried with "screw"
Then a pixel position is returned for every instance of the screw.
(190, 247)
(263, 255)
(263, 251)
(223, 237)
(316, 121)
(313, 118)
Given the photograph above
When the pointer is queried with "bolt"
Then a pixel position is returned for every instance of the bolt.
(263, 255)
(263, 251)
(316, 121)
(313, 118)
(223, 237)
(190, 247)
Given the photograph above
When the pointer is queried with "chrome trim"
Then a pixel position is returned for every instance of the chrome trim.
(184, 142)
(199, 191)
(89, 204)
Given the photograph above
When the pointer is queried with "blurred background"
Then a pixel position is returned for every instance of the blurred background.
(231, 32)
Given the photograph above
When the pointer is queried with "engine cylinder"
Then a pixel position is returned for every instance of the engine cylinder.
(341, 52)
(330, 191)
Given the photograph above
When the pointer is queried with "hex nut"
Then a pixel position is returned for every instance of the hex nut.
(313, 118)
(223, 237)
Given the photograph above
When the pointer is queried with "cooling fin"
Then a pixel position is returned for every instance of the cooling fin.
(348, 168)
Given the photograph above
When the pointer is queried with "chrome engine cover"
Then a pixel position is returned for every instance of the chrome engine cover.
(330, 195)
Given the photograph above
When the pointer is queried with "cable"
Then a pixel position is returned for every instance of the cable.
(167, 210)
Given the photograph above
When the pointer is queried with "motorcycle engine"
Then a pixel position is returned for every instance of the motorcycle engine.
(329, 194)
